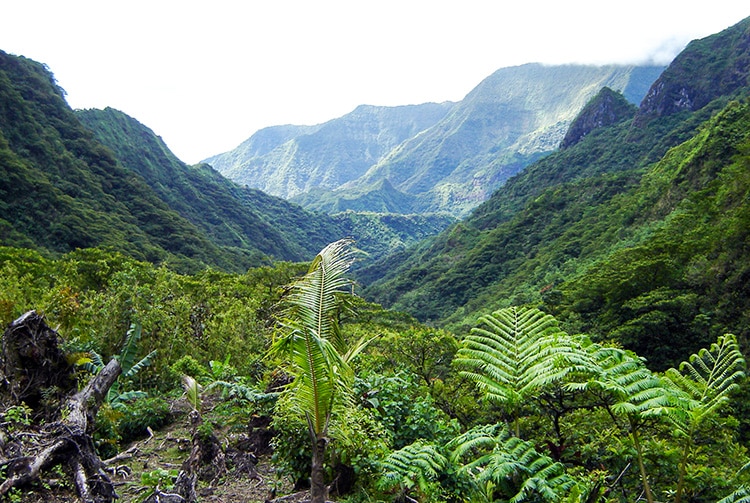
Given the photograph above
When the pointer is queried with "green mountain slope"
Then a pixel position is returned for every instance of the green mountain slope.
(539, 237)
(64, 187)
(512, 118)
(61, 189)
(228, 214)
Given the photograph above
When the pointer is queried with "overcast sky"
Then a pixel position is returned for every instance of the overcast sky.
(205, 75)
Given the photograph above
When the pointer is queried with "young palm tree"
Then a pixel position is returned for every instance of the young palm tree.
(317, 354)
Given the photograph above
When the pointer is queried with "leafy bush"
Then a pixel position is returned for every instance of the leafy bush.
(142, 414)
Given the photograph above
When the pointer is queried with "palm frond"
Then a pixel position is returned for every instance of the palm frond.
(192, 391)
(96, 363)
(314, 299)
(310, 339)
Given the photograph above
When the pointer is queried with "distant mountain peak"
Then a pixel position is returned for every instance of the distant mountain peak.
(606, 108)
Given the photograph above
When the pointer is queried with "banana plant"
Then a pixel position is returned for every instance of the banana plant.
(130, 367)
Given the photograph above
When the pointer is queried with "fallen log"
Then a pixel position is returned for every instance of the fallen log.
(67, 439)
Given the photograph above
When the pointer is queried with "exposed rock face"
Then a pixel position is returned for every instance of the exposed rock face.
(606, 108)
(718, 65)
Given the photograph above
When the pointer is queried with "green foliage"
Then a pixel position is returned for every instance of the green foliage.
(703, 383)
(520, 353)
(159, 479)
(613, 245)
(413, 470)
(245, 223)
(18, 415)
(142, 414)
(508, 467)
(316, 352)
(312, 340)
(406, 411)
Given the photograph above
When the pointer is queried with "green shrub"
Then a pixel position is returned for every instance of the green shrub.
(142, 414)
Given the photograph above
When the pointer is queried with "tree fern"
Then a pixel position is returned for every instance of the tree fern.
(698, 389)
(417, 465)
(703, 383)
(503, 465)
(629, 389)
(741, 495)
(516, 353)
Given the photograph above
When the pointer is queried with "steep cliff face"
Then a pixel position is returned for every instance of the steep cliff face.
(441, 157)
(714, 66)
(290, 160)
(605, 109)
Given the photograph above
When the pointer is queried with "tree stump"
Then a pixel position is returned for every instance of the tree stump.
(34, 371)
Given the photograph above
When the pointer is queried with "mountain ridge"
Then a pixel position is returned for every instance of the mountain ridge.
(455, 163)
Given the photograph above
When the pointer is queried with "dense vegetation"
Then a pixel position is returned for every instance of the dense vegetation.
(525, 412)
(230, 215)
(591, 316)
(63, 190)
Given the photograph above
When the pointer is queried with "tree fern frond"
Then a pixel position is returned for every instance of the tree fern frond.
(518, 351)
(509, 465)
(703, 383)
(484, 437)
(740, 495)
(416, 464)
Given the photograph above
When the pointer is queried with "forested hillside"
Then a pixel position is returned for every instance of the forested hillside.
(63, 189)
(569, 221)
(229, 215)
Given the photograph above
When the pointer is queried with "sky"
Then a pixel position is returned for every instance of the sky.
(205, 75)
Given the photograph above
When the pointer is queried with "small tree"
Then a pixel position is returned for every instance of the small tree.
(316, 353)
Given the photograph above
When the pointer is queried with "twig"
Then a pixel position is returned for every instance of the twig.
(127, 454)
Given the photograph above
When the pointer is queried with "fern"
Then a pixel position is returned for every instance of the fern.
(520, 352)
(741, 495)
(501, 464)
(698, 390)
(415, 466)
(703, 383)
